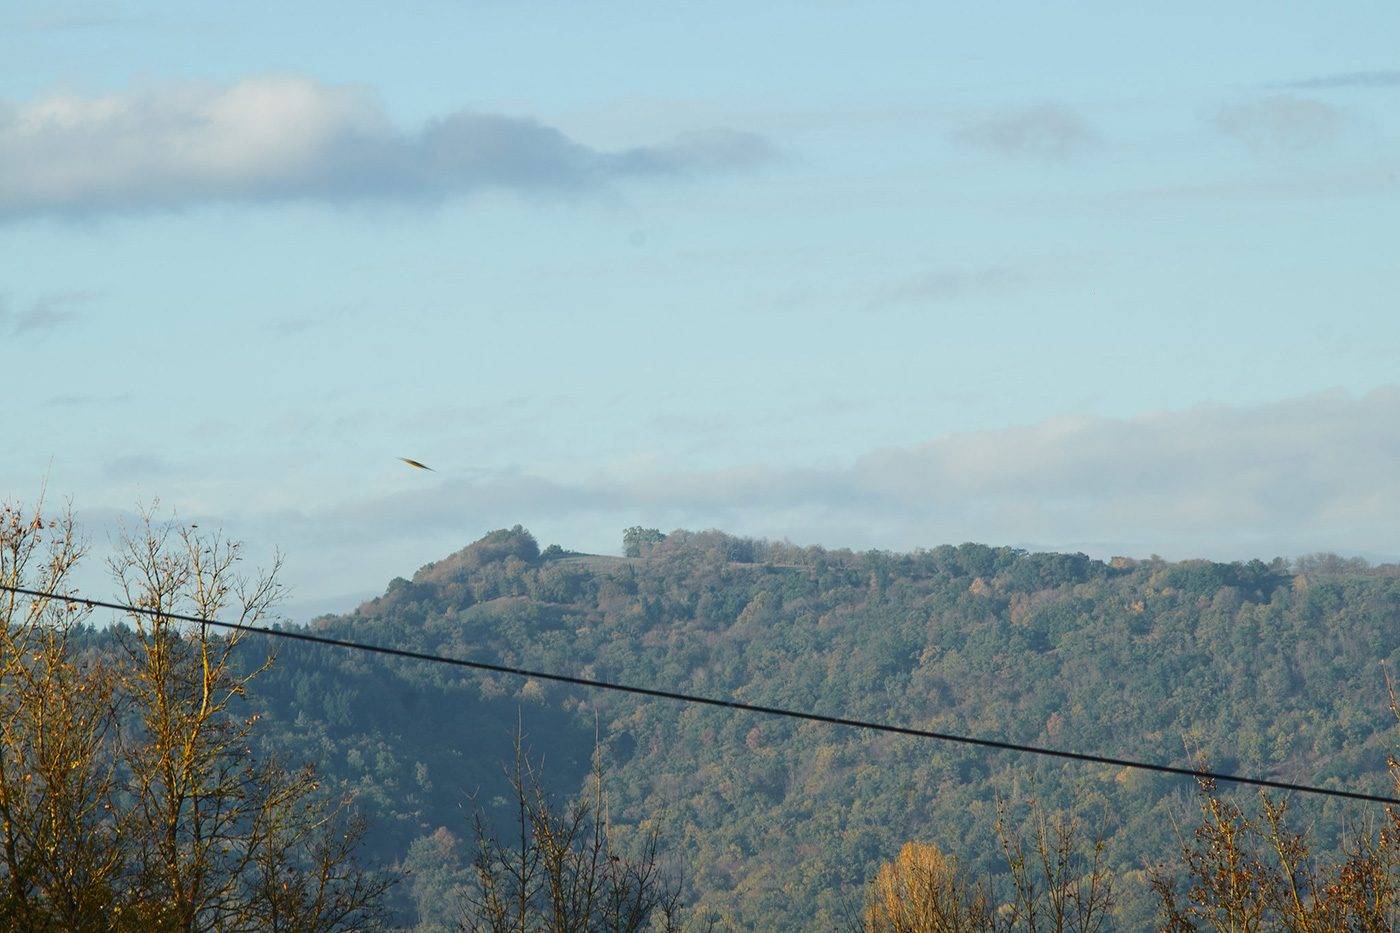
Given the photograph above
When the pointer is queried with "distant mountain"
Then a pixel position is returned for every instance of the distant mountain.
(1264, 668)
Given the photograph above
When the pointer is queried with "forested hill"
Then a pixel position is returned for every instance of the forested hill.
(1264, 668)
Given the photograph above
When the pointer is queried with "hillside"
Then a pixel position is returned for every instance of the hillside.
(1265, 668)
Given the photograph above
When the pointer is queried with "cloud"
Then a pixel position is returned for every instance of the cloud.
(911, 290)
(1281, 124)
(291, 138)
(1309, 473)
(1347, 182)
(65, 15)
(710, 151)
(83, 400)
(1296, 476)
(1043, 131)
(1347, 79)
(943, 285)
(135, 467)
(44, 314)
(296, 324)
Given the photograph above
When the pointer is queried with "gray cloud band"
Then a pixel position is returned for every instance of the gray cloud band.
(1317, 472)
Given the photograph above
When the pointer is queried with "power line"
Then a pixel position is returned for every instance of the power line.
(725, 704)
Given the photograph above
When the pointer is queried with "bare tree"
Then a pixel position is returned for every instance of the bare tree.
(1058, 882)
(1243, 872)
(563, 872)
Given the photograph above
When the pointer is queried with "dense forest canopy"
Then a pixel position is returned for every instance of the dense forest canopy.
(1271, 669)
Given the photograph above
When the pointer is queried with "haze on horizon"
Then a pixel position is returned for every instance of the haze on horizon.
(864, 275)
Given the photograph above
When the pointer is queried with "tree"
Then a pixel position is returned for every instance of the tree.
(62, 855)
(637, 541)
(564, 871)
(922, 892)
(1254, 872)
(437, 878)
(129, 794)
(1246, 873)
(1058, 882)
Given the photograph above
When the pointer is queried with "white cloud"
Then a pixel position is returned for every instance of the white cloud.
(282, 138)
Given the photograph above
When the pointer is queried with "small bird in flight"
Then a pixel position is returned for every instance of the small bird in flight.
(417, 465)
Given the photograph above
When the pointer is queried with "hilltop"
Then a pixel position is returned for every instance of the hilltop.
(1270, 668)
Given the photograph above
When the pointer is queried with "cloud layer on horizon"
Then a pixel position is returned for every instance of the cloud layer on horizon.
(290, 138)
(1311, 473)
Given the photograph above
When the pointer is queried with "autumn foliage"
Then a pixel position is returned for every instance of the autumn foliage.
(129, 798)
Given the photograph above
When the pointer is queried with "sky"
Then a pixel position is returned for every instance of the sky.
(1085, 277)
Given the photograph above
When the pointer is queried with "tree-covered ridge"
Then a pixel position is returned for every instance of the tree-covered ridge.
(1262, 668)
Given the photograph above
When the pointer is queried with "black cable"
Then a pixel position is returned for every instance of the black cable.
(726, 704)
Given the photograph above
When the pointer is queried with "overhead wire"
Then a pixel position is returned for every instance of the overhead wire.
(1199, 774)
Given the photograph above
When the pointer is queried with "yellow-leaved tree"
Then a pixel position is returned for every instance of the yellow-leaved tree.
(129, 794)
(920, 891)
(1059, 882)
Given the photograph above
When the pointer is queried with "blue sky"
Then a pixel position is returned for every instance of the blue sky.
(876, 274)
